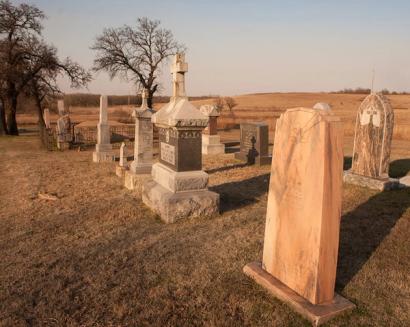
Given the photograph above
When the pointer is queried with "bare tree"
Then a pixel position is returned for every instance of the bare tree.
(43, 88)
(230, 103)
(18, 25)
(135, 53)
(27, 64)
(219, 103)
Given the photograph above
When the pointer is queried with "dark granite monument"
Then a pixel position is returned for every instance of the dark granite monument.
(254, 144)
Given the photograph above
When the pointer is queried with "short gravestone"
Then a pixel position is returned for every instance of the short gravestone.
(46, 117)
(211, 141)
(63, 128)
(103, 149)
(254, 148)
(372, 144)
(303, 215)
(140, 168)
(123, 163)
(179, 186)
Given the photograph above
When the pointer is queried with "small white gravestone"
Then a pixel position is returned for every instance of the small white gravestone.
(103, 148)
(123, 155)
(63, 128)
(46, 117)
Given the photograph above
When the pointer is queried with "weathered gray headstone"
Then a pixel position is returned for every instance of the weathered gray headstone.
(63, 128)
(178, 188)
(103, 149)
(372, 144)
(211, 141)
(254, 147)
(140, 169)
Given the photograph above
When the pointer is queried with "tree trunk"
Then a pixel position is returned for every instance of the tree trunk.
(149, 99)
(41, 122)
(3, 123)
(11, 116)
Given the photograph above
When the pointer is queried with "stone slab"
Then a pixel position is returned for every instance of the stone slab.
(317, 314)
(120, 171)
(134, 182)
(179, 181)
(103, 156)
(385, 184)
(172, 207)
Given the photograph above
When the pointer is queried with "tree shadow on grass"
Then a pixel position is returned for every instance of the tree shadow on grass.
(240, 194)
(399, 168)
(225, 168)
(363, 229)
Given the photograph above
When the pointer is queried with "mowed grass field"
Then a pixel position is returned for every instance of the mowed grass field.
(97, 256)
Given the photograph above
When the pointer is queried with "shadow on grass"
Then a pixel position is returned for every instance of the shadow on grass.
(225, 168)
(363, 229)
(399, 168)
(240, 194)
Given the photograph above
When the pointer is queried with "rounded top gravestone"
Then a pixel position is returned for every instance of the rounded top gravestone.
(373, 137)
(322, 106)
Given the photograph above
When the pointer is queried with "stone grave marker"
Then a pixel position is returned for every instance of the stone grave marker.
(123, 163)
(211, 141)
(254, 148)
(103, 149)
(63, 128)
(178, 188)
(140, 169)
(303, 215)
(372, 144)
(46, 117)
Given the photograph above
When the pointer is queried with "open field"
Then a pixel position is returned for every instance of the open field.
(265, 107)
(98, 257)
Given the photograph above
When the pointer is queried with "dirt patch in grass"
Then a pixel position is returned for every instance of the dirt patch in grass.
(98, 257)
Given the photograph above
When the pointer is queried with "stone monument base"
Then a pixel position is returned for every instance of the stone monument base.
(211, 144)
(317, 314)
(172, 206)
(381, 184)
(259, 161)
(134, 182)
(103, 156)
(120, 171)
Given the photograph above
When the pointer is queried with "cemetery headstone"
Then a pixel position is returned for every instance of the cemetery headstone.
(46, 117)
(140, 169)
(103, 149)
(63, 128)
(303, 214)
(254, 148)
(372, 144)
(123, 163)
(178, 188)
(211, 141)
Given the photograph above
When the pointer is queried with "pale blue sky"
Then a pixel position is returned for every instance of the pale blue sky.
(237, 47)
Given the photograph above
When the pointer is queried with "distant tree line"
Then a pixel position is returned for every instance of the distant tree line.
(361, 90)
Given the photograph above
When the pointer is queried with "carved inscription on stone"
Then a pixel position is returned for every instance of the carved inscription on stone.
(168, 153)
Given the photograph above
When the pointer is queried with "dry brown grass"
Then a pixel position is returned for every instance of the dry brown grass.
(99, 257)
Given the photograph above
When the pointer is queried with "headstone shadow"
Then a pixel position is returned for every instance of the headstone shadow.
(225, 168)
(235, 195)
(363, 229)
(399, 168)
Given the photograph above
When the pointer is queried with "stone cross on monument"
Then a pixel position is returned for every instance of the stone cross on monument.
(178, 70)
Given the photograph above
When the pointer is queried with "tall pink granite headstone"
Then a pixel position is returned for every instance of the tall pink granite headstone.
(303, 215)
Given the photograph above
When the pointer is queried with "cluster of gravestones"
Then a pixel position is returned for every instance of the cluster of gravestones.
(299, 255)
